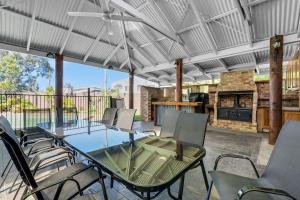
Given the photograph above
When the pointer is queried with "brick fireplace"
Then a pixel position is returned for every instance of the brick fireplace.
(236, 101)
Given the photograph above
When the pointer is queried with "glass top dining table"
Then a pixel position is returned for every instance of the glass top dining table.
(143, 162)
(86, 136)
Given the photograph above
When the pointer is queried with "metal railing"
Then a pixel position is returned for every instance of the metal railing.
(12, 106)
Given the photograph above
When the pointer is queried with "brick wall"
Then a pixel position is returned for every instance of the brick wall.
(290, 98)
(147, 94)
(237, 81)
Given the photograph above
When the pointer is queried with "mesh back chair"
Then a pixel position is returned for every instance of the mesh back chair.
(64, 184)
(38, 155)
(109, 116)
(191, 130)
(32, 117)
(169, 124)
(70, 114)
(125, 118)
(117, 103)
(280, 179)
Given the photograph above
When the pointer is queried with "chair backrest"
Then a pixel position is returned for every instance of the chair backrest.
(169, 123)
(125, 118)
(283, 168)
(32, 117)
(16, 153)
(109, 116)
(70, 113)
(191, 128)
(117, 103)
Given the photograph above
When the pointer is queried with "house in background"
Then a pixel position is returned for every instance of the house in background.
(123, 86)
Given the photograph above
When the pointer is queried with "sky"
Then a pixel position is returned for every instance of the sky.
(82, 76)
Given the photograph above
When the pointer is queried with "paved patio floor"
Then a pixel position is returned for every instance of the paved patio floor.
(217, 142)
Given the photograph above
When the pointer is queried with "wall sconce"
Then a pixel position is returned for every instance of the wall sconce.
(276, 46)
(50, 55)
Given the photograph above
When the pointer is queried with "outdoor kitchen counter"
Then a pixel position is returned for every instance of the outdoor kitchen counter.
(160, 107)
(288, 113)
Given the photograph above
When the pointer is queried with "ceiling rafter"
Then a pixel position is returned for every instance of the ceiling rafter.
(125, 42)
(124, 63)
(233, 51)
(147, 36)
(244, 12)
(114, 51)
(167, 22)
(51, 24)
(74, 19)
(140, 51)
(204, 26)
(32, 24)
(125, 7)
(200, 69)
(223, 64)
(136, 63)
(94, 43)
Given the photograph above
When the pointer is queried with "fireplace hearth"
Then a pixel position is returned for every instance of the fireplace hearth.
(235, 106)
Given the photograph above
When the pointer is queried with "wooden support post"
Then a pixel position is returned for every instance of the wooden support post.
(178, 82)
(131, 85)
(59, 71)
(276, 58)
(179, 149)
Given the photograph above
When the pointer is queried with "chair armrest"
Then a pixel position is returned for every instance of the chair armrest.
(247, 189)
(61, 183)
(220, 157)
(39, 142)
(149, 131)
(25, 135)
(37, 164)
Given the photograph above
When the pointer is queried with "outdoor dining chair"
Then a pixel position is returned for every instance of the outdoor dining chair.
(63, 185)
(109, 116)
(32, 117)
(191, 130)
(125, 118)
(38, 159)
(168, 124)
(69, 114)
(280, 179)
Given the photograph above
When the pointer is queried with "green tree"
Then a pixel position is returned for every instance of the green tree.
(19, 72)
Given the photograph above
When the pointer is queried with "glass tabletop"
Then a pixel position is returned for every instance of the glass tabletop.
(98, 139)
(71, 127)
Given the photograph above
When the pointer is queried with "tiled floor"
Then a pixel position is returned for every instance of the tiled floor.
(217, 142)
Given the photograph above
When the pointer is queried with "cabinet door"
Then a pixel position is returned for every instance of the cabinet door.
(245, 115)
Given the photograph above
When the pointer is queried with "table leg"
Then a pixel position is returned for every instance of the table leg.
(204, 174)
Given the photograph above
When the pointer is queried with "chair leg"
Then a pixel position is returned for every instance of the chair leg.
(16, 194)
(148, 196)
(111, 182)
(4, 179)
(101, 180)
(209, 191)
(204, 174)
(181, 186)
(180, 192)
(5, 168)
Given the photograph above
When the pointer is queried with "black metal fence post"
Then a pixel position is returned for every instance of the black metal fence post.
(89, 101)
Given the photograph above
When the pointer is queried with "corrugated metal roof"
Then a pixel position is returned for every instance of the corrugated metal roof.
(223, 28)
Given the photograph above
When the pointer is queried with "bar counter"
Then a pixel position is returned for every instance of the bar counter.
(160, 107)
